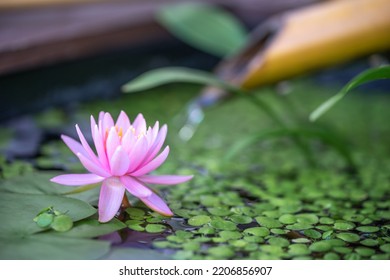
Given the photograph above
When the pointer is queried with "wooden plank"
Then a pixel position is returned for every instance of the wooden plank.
(51, 33)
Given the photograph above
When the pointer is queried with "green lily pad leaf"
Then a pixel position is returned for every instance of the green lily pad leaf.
(381, 257)
(230, 234)
(44, 220)
(25, 208)
(50, 246)
(369, 242)
(320, 246)
(209, 200)
(349, 237)
(298, 250)
(222, 224)
(326, 221)
(344, 226)
(208, 28)
(287, 219)
(312, 233)
(240, 219)
(368, 229)
(257, 231)
(278, 231)
(278, 241)
(191, 246)
(331, 256)
(62, 223)
(90, 228)
(364, 251)
(307, 219)
(33, 183)
(272, 250)
(353, 217)
(135, 212)
(268, 222)
(222, 252)
(206, 230)
(342, 250)
(219, 211)
(238, 243)
(385, 248)
(299, 226)
(200, 220)
(136, 227)
(369, 75)
(155, 228)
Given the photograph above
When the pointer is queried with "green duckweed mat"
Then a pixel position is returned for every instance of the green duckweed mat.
(264, 203)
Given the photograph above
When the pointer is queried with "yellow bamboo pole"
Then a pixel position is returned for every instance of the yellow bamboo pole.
(311, 38)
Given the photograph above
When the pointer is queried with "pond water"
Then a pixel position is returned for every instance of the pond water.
(264, 203)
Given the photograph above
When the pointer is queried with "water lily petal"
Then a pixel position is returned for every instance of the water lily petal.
(152, 165)
(77, 179)
(74, 146)
(128, 140)
(86, 146)
(112, 142)
(139, 124)
(119, 162)
(92, 167)
(123, 121)
(138, 153)
(164, 179)
(108, 122)
(135, 187)
(99, 145)
(158, 143)
(155, 203)
(110, 199)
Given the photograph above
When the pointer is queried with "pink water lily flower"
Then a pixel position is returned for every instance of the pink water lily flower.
(126, 154)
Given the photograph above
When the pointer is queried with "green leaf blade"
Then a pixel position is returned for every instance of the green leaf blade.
(369, 75)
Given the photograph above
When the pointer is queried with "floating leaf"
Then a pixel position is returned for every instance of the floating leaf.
(349, 237)
(268, 222)
(368, 229)
(90, 228)
(199, 220)
(257, 231)
(224, 225)
(50, 246)
(62, 223)
(155, 228)
(343, 226)
(25, 208)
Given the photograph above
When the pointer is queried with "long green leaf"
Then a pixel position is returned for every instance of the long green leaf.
(161, 76)
(364, 77)
(202, 26)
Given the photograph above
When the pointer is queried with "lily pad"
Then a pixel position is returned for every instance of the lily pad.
(26, 207)
(223, 225)
(268, 222)
(47, 246)
(368, 229)
(155, 228)
(349, 237)
(89, 228)
(199, 220)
